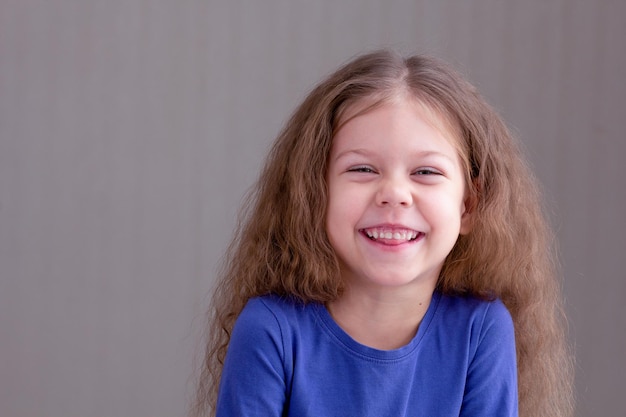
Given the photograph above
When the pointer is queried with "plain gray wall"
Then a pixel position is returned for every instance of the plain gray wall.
(130, 129)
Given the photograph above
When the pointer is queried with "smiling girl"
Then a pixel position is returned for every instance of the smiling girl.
(393, 261)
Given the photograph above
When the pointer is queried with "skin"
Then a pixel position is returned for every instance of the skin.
(396, 208)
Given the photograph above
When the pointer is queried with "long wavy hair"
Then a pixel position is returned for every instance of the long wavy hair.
(281, 247)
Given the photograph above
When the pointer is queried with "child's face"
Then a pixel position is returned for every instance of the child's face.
(396, 197)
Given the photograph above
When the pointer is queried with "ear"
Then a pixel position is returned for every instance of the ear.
(467, 214)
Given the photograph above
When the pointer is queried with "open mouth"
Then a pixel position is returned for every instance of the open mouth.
(388, 234)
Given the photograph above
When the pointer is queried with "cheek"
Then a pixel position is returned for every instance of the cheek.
(445, 208)
(345, 211)
(337, 223)
(334, 210)
(341, 209)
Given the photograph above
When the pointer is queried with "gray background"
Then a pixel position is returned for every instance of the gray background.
(130, 129)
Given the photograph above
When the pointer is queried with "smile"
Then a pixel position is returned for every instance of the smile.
(388, 233)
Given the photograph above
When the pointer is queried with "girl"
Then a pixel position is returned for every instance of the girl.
(393, 261)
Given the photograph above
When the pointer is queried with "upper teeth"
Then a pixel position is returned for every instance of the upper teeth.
(384, 233)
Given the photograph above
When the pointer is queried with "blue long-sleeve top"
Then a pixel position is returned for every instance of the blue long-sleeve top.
(290, 359)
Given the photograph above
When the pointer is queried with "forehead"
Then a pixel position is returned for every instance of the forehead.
(436, 119)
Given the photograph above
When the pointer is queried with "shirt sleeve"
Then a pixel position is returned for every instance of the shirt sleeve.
(491, 388)
(253, 377)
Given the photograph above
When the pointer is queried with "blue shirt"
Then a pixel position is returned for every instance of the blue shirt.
(290, 359)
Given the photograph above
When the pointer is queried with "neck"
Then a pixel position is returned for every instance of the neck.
(384, 320)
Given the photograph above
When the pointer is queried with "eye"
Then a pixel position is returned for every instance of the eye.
(362, 168)
(427, 171)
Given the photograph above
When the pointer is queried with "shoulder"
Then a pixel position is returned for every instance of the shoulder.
(475, 318)
(475, 309)
(258, 360)
(270, 328)
(273, 314)
(491, 367)
(263, 330)
(273, 306)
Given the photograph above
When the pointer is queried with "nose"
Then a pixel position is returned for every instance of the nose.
(394, 192)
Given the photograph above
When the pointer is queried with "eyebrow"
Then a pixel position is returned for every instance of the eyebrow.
(420, 154)
(359, 151)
